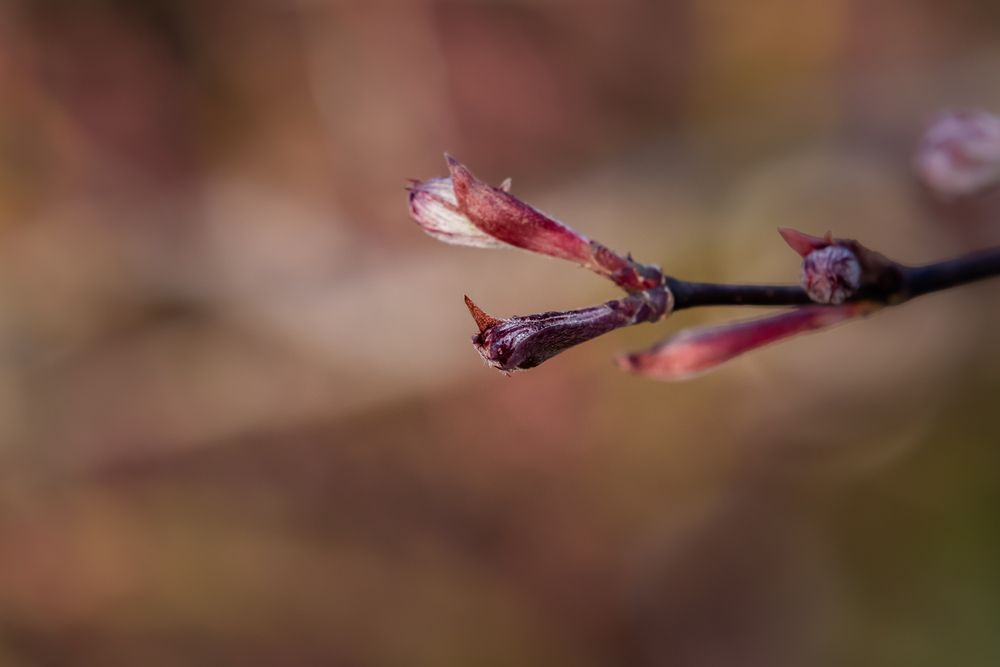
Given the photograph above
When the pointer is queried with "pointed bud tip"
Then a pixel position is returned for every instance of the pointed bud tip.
(460, 175)
(454, 163)
(483, 321)
(803, 243)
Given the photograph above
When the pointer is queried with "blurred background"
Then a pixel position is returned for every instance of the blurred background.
(240, 418)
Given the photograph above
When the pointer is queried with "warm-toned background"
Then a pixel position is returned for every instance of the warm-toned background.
(240, 419)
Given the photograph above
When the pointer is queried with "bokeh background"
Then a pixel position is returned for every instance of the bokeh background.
(240, 418)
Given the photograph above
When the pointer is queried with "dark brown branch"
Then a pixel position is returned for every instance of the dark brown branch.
(690, 295)
(951, 273)
(902, 283)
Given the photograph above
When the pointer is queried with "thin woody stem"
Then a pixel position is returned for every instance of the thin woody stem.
(951, 273)
(690, 294)
(911, 281)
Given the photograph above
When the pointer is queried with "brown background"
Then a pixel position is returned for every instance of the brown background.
(240, 419)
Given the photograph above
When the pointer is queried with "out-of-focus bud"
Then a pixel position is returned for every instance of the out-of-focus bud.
(434, 207)
(522, 342)
(466, 211)
(831, 274)
(959, 154)
(834, 270)
(695, 351)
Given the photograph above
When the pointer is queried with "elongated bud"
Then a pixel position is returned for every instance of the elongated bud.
(466, 211)
(694, 351)
(959, 154)
(523, 342)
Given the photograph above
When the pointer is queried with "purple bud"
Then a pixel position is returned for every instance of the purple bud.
(835, 270)
(694, 351)
(831, 274)
(523, 342)
(959, 154)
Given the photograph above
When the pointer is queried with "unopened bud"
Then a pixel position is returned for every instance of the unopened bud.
(695, 351)
(435, 209)
(463, 210)
(523, 342)
(959, 154)
(835, 270)
(831, 274)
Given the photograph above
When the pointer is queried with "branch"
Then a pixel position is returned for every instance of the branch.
(959, 271)
(841, 280)
(691, 295)
(907, 283)
(850, 280)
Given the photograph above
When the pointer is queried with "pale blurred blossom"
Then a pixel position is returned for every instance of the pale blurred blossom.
(959, 154)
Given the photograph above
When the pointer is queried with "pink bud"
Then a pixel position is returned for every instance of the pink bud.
(959, 154)
(523, 342)
(831, 274)
(434, 207)
(698, 350)
(466, 211)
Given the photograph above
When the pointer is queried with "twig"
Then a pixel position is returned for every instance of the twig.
(959, 271)
(905, 282)
(841, 280)
(691, 295)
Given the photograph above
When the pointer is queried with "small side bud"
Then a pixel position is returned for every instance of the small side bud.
(959, 154)
(523, 342)
(831, 274)
(834, 270)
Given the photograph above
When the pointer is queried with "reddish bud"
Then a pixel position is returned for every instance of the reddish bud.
(505, 217)
(466, 211)
(523, 342)
(698, 350)
(959, 154)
